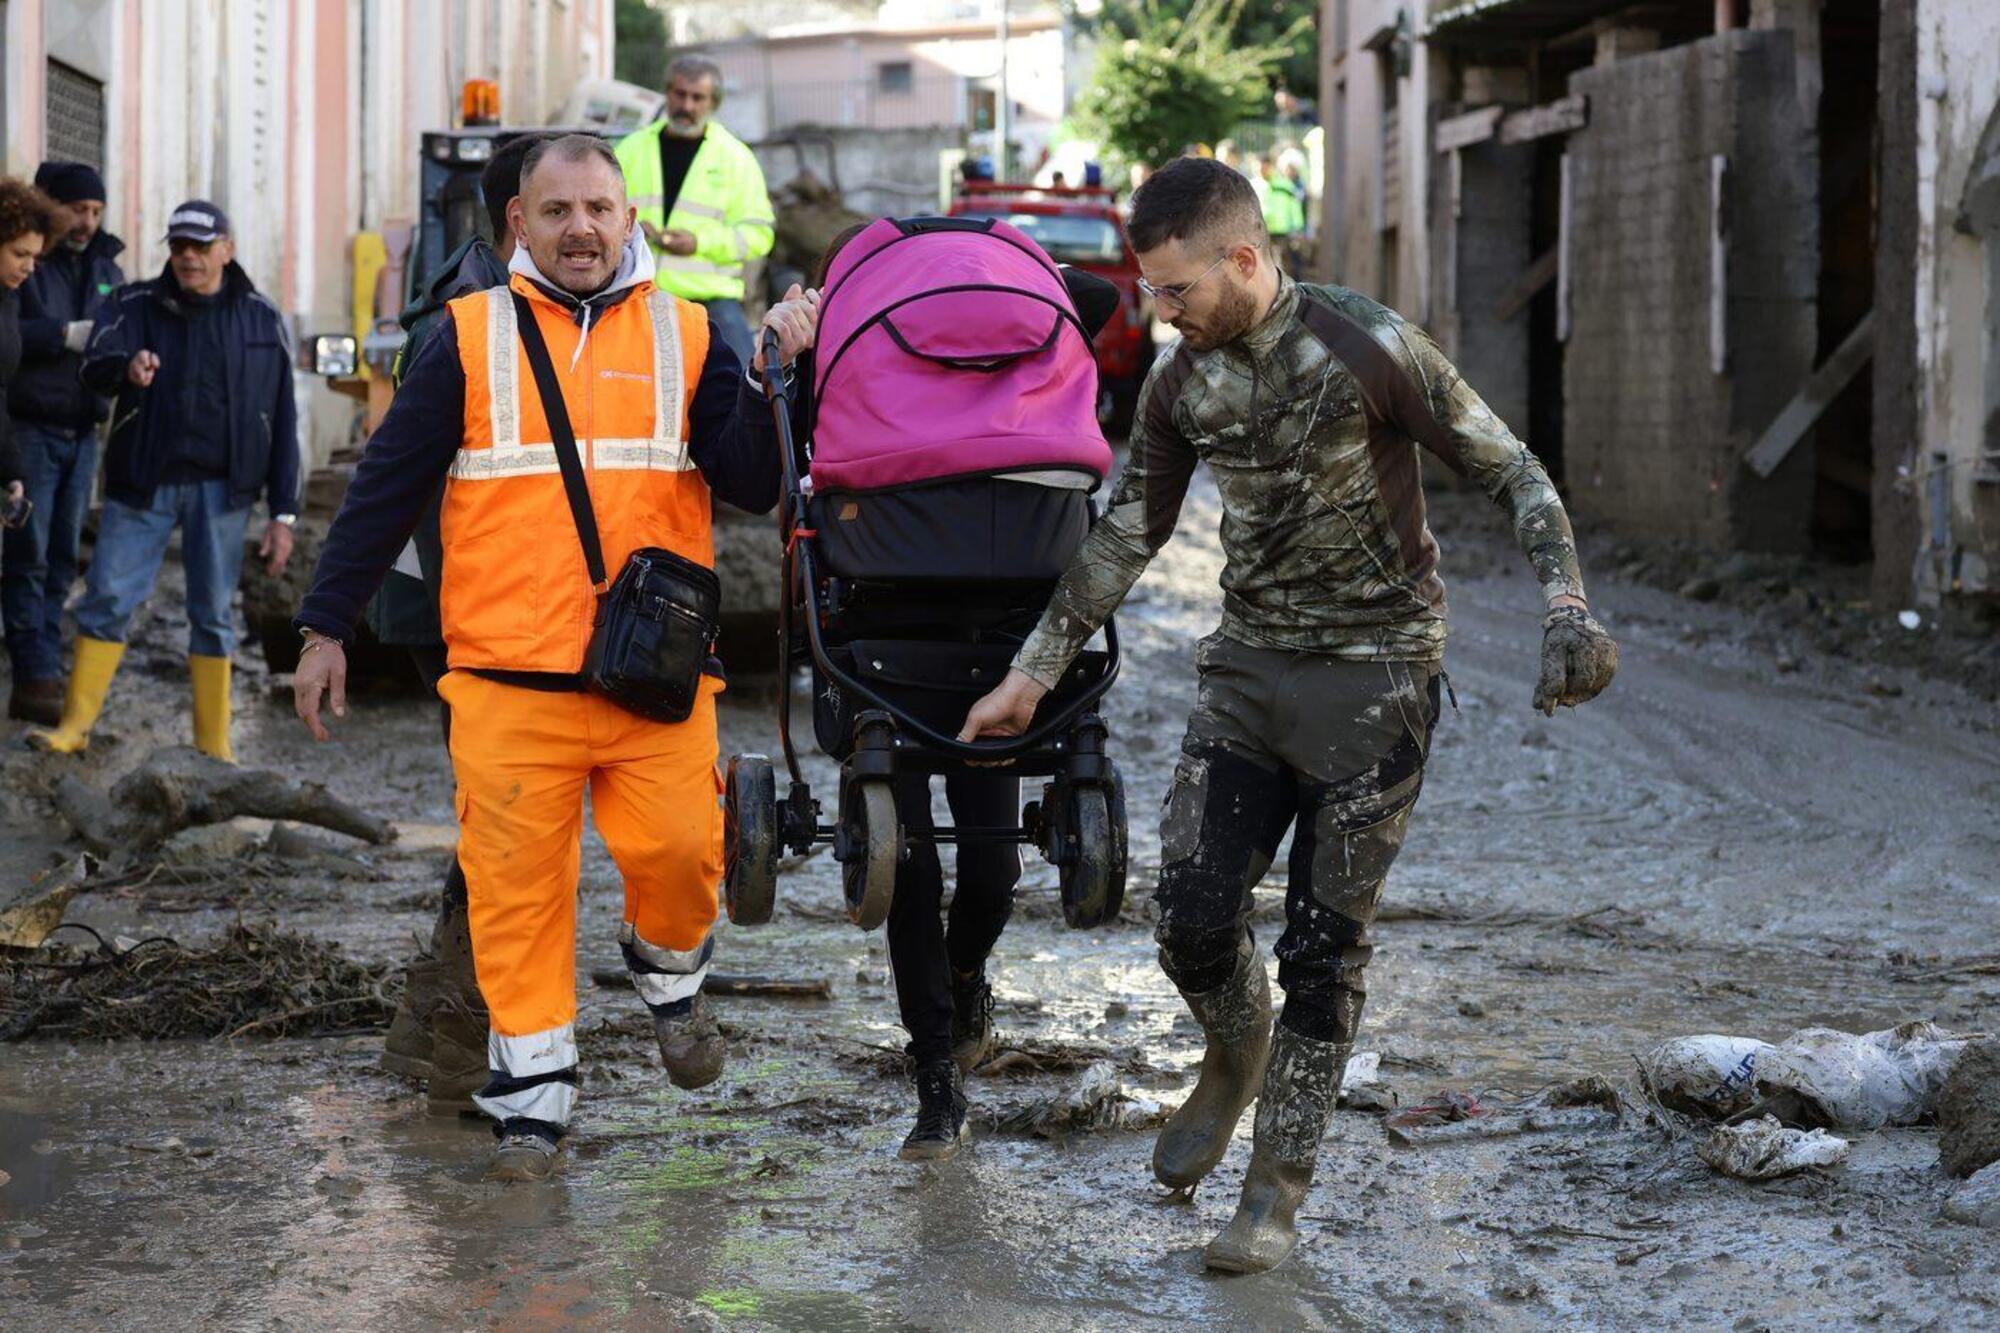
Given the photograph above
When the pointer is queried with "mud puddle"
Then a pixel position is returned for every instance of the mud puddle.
(1710, 849)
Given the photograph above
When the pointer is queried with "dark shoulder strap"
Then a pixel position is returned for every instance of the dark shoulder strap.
(564, 438)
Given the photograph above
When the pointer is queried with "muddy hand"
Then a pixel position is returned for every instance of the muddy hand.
(1578, 659)
(1007, 711)
(321, 673)
(794, 319)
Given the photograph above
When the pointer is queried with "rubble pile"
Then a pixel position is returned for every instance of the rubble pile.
(255, 980)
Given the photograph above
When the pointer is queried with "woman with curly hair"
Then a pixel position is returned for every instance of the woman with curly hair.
(27, 220)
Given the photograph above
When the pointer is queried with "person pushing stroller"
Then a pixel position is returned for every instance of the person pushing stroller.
(913, 535)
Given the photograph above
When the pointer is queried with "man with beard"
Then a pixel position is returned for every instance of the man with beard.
(1319, 691)
(55, 425)
(701, 198)
(662, 415)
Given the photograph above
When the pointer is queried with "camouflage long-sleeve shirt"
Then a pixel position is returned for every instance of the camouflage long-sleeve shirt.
(1311, 423)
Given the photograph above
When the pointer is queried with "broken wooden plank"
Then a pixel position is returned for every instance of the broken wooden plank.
(1538, 275)
(1558, 117)
(1821, 388)
(1474, 127)
(28, 916)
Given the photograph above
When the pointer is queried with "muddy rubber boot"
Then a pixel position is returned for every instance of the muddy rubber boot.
(1301, 1085)
(691, 1042)
(524, 1155)
(458, 1064)
(940, 1127)
(971, 1018)
(211, 706)
(1236, 1016)
(406, 1050)
(89, 682)
(36, 701)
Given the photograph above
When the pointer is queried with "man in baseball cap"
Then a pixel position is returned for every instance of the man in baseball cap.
(55, 423)
(205, 424)
(197, 220)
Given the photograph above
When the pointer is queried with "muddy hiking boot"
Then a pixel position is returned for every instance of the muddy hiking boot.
(36, 701)
(1236, 1016)
(971, 1018)
(940, 1126)
(458, 1064)
(527, 1152)
(691, 1042)
(1301, 1085)
(406, 1050)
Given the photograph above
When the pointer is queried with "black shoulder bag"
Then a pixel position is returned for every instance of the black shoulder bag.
(654, 628)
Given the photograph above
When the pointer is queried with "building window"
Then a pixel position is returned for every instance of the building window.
(75, 114)
(897, 76)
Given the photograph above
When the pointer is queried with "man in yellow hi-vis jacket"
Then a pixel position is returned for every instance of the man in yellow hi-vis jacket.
(701, 199)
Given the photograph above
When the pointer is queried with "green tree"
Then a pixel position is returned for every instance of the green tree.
(639, 44)
(1288, 24)
(1177, 79)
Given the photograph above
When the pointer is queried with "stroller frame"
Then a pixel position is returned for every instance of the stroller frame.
(1078, 825)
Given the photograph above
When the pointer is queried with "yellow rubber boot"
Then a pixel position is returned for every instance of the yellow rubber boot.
(89, 681)
(211, 707)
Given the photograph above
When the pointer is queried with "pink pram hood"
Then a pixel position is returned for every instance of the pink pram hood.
(949, 347)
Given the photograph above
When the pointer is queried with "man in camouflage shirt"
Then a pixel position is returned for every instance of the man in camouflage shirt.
(1319, 691)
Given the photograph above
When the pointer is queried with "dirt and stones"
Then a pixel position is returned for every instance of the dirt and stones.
(1969, 1111)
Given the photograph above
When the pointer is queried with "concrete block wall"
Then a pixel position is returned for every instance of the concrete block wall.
(1481, 254)
(1653, 435)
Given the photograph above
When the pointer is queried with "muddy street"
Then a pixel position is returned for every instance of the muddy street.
(1718, 845)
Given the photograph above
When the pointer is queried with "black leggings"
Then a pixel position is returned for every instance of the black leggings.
(922, 950)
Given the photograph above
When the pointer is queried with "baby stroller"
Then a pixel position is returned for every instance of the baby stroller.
(953, 447)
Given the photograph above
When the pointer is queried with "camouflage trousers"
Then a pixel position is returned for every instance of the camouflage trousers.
(1331, 749)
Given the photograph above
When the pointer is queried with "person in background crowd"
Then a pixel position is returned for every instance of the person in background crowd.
(701, 199)
(27, 219)
(55, 422)
(204, 423)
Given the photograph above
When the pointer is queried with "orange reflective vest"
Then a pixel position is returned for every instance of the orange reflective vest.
(516, 593)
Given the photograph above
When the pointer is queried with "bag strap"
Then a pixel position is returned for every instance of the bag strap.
(564, 438)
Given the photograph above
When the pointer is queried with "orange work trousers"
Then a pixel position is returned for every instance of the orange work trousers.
(523, 758)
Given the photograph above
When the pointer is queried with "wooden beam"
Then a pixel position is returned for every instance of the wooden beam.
(1537, 276)
(1471, 128)
(1821, 388)
(1559, 117)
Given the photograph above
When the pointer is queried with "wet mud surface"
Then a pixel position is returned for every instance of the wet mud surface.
(1717, 845)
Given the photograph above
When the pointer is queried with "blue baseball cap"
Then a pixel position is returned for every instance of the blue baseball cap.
(197, 220)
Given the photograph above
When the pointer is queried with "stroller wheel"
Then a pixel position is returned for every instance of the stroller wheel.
(750, 840)
(1093, 874)
(876, 837)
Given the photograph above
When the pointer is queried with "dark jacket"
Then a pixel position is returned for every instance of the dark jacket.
(262, 418)
(405, 611)
(68, 285)
(10, 361)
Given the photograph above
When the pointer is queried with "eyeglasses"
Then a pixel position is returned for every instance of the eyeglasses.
(1176, 295)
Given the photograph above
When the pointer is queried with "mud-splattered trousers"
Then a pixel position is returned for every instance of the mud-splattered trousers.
(921, 947)
(1334, 751)
(1317, 693)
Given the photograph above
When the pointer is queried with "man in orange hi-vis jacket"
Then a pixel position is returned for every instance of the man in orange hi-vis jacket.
(663, 415)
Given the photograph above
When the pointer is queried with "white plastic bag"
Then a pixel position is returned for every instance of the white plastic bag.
(1891, 1077)
(1763, 1149)
(1711, 1076)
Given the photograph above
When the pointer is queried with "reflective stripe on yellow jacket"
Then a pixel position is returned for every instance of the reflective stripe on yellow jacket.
(517, 594)
(722, 202)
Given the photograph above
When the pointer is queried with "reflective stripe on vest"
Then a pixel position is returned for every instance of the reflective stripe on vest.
(666, 451)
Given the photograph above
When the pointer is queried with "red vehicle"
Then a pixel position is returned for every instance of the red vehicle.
(1081, 226)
